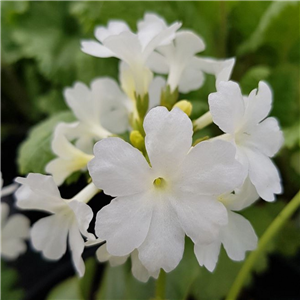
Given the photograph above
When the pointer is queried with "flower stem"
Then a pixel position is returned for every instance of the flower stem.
(203, 121)
(271, 231)
(87, 193)
(160, 291)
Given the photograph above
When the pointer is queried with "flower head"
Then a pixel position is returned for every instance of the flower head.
(156, 204)
(256, 137)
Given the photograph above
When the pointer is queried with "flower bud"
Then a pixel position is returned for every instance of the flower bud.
(185, 106)
(137, 140)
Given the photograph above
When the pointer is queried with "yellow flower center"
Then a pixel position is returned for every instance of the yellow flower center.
(159, 182)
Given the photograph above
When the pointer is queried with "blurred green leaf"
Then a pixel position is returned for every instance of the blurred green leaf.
(67, 290)
(292, 135)
(273, 29)
(9, 279)
(35, 152)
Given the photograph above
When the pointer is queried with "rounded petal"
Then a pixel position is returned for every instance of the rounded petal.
(227, 106)
(113, 28)
(17, 226)
(158, 63)
(243, 197)
(265, 137)
(138, 270)
(207, 255)
(38, 192)
(191, 79)
(264, 175)
(201, 217)
(49, 235)
(103, 256)
(12, 248)
(4, 213)
(210, 168)
(76, 243)
(84, 215)
(95, 49)
(9, 189)
(258, 104)
(164, 244)
(119, 169)
(238, 236)
(124, 223)
(168, 138)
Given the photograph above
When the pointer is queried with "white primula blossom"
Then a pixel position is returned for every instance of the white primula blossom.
(184, 69)
(256, 137)
(70, 159)
(69, 220)
(134, 49)
(137, 268)
(237, 236)
(14, 232)
(174, 59)
(155, 206)
(7, 190)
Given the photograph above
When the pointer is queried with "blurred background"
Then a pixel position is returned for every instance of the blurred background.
(40, 56)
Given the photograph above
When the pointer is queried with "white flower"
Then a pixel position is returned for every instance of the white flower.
(134, 49)
(137, 268)
(155, 206)
(69, 220)
(237, 236)
(14, 231)
(7, 190)
(184, 69)
(70, 159)
(256, 137)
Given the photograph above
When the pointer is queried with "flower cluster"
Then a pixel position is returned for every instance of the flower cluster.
(165, 185)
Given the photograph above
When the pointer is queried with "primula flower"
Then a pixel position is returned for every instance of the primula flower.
(70, 159)
(157, 204)
(69, 220)
(14, 231)
(134, 49)
(256, 137)
(184, 69)
(237, 236)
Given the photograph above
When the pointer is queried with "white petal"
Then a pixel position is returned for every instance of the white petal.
(168, 138)
(76, 243)
(155, 89)
(158, 63)
(227, 106)
(191, 79)
(103, 255)
(238, 236)
(200, 216)
(207, 255)
(222, 69)
(17, 226)
(258, 104)
(264, 175)
(243, 197)
(9, 189)
(4, 213)
(265, 137)
(210, 168)
(164, 244)
(113, 28)
(138, 270)
(49, 235)
(84, 215)
(38, 192)
(124, 223)
(12, 248)
(118, 168)
(111, 103)
(95, 49)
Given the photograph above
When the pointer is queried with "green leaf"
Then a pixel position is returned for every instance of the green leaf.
(273, 29)
(9, 279)
(35, 152)
(292, 135)
(67, 290)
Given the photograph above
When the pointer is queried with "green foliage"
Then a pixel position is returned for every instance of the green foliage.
(35, 152)
(9, 278)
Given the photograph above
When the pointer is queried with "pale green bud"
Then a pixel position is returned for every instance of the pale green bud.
(137, 140)
(185, 106)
